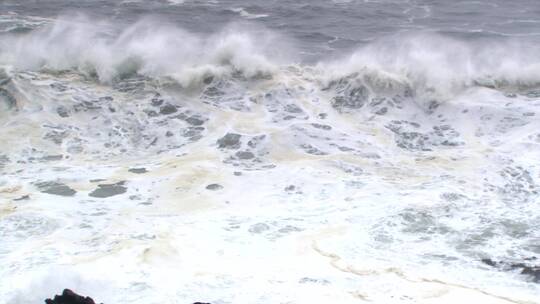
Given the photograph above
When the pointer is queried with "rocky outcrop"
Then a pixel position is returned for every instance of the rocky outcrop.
(526, 268)
(69, 297)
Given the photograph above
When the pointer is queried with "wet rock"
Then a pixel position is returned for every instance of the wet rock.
(108, 190)
(23, 198)
(138, 170)
(529, 270)
(532, 271)
(167, 109)
(55, 188)
(69, 297)
(214, 187)
(229, 141)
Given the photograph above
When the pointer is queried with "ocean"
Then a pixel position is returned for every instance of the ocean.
(381, 151)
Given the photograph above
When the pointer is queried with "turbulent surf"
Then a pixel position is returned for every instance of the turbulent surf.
(184, 151)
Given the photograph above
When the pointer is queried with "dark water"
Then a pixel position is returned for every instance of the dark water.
(318, 26)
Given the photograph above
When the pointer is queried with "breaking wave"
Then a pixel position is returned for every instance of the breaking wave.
(426, 66)
(156, 158)
(147, 48)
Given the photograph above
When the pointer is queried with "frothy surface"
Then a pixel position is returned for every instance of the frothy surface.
(146, 161)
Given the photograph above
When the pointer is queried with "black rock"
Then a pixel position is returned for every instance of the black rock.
(138, 170)
(532, 271)
(69, 297)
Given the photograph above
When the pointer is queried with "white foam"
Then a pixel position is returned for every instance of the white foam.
(367, 219)
(442, 66)
(146, 47)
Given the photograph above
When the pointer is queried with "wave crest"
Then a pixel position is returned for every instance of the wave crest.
(438, 67)
(147, 48)
(425, 66)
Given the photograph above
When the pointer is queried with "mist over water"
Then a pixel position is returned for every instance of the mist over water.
(272, 152)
